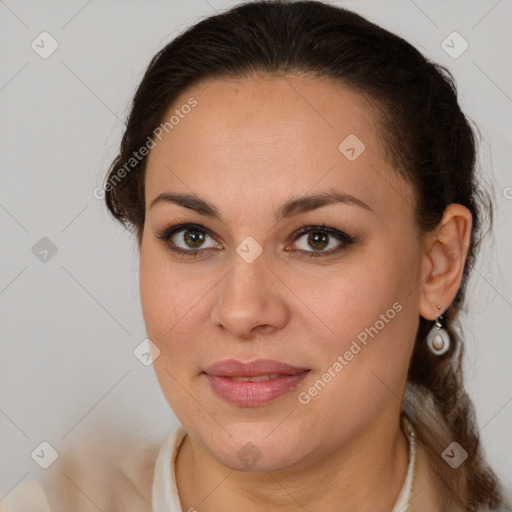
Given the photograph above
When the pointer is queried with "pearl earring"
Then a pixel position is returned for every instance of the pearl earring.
(438, 339)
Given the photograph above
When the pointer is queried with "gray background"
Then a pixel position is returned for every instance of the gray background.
(69, 325)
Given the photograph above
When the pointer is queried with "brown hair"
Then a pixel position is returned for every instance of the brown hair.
(427, 138)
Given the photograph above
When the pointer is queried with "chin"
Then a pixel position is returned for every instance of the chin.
(251, 448)
(250, 458)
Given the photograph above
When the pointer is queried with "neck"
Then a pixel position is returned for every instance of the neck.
(365, 475)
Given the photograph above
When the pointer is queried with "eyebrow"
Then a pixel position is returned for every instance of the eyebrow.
(290, 208)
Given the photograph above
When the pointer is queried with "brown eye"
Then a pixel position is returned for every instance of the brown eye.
(318, 238)
(187, 239)
(193, 238)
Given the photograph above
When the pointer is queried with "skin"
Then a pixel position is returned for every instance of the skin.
(247, 147)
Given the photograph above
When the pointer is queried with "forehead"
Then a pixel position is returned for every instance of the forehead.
(284, 135)
(252, 113)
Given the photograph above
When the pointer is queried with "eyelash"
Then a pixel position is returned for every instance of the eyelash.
(168, 232)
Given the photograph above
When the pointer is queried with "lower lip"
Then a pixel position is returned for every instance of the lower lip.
(253, 394)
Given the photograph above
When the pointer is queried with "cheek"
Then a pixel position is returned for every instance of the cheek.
(368, 327)
(363, 367)
(173, 299)
(346, 302)
(166, 297)
(165, 301)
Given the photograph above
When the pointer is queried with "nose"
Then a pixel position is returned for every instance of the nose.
(250, 300)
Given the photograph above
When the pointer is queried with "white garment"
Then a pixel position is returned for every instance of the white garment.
(29, 497)
(165, 496)
(162, 493)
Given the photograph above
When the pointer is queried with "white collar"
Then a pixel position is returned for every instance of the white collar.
(402, 502)
(165, 496)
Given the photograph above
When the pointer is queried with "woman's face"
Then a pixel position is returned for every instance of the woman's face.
(339, 303)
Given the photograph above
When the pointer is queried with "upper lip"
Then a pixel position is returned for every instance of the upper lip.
(234, 368)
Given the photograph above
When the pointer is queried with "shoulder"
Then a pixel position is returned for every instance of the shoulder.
(111, 472)
(26, 496)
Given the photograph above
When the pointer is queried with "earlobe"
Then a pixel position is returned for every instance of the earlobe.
(445, 258)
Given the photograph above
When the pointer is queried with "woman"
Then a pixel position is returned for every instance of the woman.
(302, 186)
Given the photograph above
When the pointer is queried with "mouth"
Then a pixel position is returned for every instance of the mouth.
(255, 378)
(255, 383)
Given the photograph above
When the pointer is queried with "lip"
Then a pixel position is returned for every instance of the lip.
(234, 368)
(252, 394)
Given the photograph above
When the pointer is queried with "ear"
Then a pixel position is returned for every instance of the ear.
(446, 249)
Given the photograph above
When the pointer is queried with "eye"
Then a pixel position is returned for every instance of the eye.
(321, 237)
(190, 242)
(191, 239)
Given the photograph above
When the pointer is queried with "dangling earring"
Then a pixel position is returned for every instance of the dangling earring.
(438, 339)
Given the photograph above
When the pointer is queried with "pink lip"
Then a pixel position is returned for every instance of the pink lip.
(251, 394)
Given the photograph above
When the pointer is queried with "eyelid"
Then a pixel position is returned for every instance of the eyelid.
(166, 235)
(336, 233)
